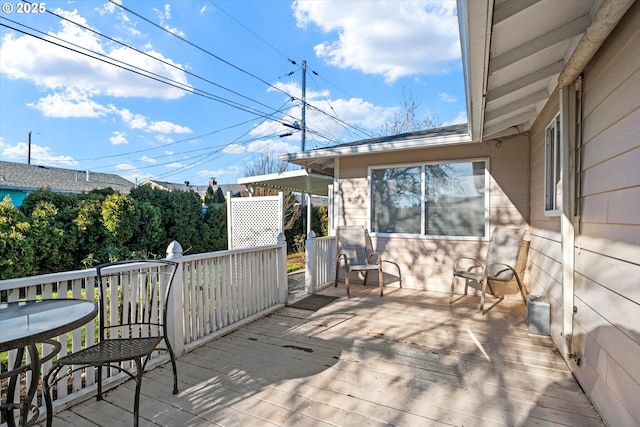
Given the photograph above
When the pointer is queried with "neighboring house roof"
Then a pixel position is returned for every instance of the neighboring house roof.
(322, 160)
(234, 189)
(24, 177)
(516, 53)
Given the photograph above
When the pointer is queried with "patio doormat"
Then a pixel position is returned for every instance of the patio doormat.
(313, 302)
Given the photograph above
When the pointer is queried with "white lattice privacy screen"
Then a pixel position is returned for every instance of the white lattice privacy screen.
(255, 221)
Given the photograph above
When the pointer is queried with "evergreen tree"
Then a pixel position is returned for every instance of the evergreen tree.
(15, 244)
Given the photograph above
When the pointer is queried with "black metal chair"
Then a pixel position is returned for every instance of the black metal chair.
(134, 297)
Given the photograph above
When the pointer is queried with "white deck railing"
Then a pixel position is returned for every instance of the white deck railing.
(221, 291)
(320, 262)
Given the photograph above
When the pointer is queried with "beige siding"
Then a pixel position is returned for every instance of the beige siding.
(545, 250)
(427, 263)
(607, 284)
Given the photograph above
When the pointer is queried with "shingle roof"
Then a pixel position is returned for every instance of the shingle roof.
(321, 160)
(20, 176)
(440, 132)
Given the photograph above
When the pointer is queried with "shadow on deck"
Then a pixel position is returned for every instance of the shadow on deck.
(406, 359)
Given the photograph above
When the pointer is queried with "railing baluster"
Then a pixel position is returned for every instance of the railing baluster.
(219, 289)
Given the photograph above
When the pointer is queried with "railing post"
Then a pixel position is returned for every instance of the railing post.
(282, 261)
(175, 306)
(310, 263)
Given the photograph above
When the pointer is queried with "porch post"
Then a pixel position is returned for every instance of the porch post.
(174, 308)
(337, 205)
(282, 268)
(310, 264)
(567, 155)
(309, 210)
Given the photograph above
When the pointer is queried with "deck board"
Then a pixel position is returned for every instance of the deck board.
(406, 359)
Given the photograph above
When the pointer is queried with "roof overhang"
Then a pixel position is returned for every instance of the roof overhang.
(515, 51)
(322, 160)
(299, 181)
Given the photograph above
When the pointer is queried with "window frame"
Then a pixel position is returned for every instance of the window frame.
(423, 235)
(552, 169)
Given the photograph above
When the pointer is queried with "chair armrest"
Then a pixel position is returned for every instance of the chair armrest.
(377, 256)
(476, 264)
(344, 259)
(506, 267)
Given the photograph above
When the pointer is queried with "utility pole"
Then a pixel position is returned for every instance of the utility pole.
(29, 150)
(304, 104)
(303, 140)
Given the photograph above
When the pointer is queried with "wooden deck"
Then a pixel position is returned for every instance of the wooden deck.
(407, 359)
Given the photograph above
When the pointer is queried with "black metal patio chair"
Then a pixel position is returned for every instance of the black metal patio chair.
(134, 298)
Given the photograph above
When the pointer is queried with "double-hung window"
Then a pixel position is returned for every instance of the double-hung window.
(436, 199)
(552, 168)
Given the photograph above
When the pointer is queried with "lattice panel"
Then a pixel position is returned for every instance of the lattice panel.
(255, 221)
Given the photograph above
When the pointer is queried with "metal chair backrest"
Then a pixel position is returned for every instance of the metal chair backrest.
(134, 295)
(504, 248)
(353, 242)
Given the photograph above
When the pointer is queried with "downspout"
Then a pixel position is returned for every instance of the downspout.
(604, 22)
(568, 175)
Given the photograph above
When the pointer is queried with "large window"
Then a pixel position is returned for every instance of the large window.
(432, 199)
(552, 167)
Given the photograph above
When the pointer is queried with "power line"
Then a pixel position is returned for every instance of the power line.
(157, 59)
(251, 31)
(213, 55)
(141, 72)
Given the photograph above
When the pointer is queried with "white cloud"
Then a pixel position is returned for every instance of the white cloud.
(71, 102)
(125, 167)
(272, 146)
(176, 165)
(134, 121)
(446, 97)
(233, 149)
(137, 176)
(164, 139)
(118, 138)
(164, 16)
(167, 127)
(459, 119)
(389, 38)
(232, 170)
(108, 8)
(55, 68)
(148, 159)
(40, 155)
(353, 110)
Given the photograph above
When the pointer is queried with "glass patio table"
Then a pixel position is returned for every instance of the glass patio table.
(25, 324)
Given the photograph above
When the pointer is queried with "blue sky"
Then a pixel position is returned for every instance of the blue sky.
(227, 87)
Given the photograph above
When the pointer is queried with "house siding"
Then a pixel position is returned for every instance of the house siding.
(545, 249)
(426, 263)
(607, 254)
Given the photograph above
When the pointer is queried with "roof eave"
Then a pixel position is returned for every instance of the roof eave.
(376, 147)
(475, 19)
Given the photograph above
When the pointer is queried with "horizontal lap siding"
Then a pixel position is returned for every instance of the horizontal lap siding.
(427, 263)
(545, 251)
(607, 291)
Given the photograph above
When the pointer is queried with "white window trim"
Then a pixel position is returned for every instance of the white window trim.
(556, 163)
(422, 235)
